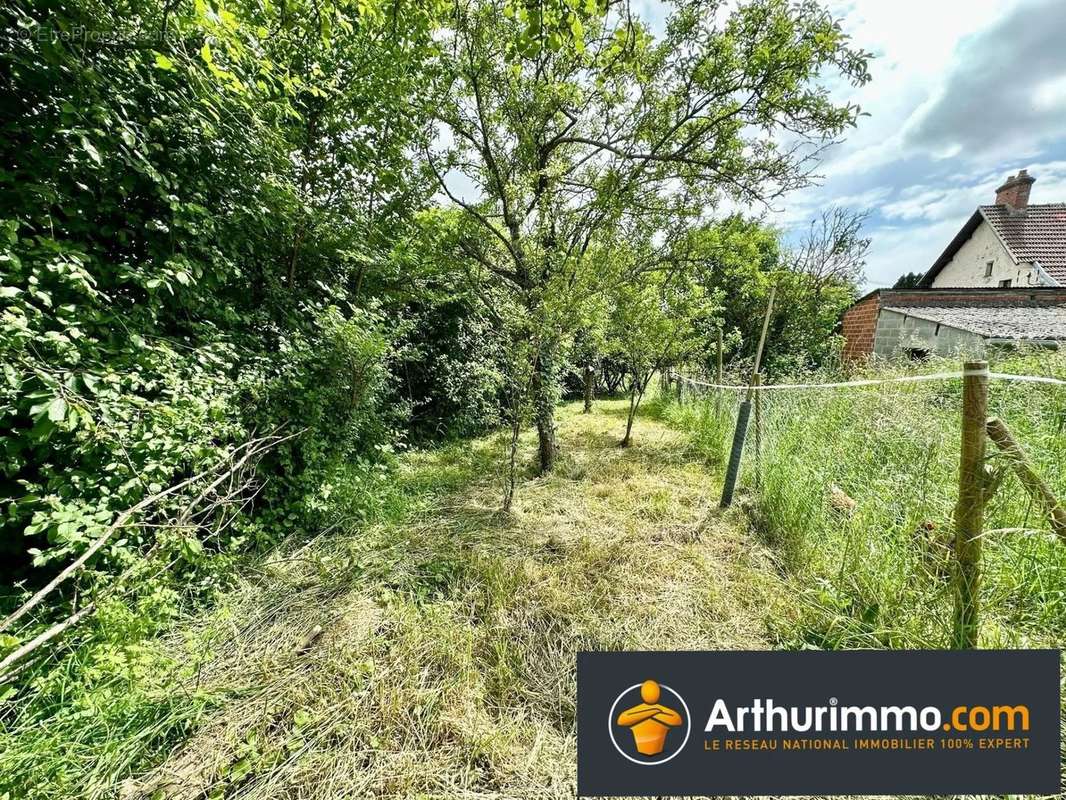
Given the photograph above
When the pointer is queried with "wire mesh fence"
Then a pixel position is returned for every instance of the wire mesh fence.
(853, 489)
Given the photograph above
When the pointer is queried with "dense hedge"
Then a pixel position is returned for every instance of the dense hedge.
(181, 274)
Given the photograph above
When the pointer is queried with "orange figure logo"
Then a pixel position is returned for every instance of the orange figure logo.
(649, 721)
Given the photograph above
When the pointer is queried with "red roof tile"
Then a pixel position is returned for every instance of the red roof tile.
(1038, 234)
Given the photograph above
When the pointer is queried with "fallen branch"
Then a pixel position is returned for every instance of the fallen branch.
(1000, 434)
(41, 639)
(253, 448)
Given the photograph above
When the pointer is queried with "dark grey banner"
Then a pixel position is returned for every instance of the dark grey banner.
(854, 722)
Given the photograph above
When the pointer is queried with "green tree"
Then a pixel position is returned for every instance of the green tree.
(193, 194)
(909, 280)
(739, 259)
(586, 353)
(565, 119)
(658, 321)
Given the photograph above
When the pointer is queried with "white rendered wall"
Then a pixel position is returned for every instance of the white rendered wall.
(967, 268)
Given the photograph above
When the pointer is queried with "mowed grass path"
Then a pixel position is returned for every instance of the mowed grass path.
(445, 666)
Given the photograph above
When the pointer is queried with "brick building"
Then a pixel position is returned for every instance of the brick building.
(893, 323)
(1001, 280)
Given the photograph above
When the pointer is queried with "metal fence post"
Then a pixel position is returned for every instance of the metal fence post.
(758, 433)
(744, 412)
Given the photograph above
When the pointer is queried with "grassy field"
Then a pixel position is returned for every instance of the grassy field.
(877, 574)
(449, 632)
(428, 652)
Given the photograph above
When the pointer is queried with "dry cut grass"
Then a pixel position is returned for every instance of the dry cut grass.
(445, 665)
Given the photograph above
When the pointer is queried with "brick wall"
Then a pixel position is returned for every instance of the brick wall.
(899, 297)
(859, 324)
(1015, 191)
(858, 327)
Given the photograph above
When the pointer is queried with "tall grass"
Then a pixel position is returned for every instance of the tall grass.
(878, 573)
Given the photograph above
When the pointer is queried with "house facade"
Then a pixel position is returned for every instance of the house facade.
(1000, 281)
(983, 261)
(1011, 244)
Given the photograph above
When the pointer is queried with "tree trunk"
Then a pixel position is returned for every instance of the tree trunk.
(590, 387)
(636, 391)
(544, 412)
(546, 446)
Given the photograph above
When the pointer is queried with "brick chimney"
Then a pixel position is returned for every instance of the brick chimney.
(1014, 193)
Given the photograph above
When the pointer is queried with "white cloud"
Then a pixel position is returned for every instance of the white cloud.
(935, 203)
(914, 43)
(910, 249)
(1050, 95)
(949, 80)
(998, 96)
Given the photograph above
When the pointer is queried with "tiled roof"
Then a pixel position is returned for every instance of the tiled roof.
(1006, 320)
(1039, 234)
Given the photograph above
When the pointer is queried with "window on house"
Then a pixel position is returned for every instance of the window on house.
(988, 268)
(1004, 284)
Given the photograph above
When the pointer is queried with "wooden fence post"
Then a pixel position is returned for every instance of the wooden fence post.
(1037, 487)
(969, 513)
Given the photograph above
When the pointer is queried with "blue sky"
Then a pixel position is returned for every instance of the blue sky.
(964, 92)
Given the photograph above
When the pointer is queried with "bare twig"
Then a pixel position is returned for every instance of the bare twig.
(42, 638)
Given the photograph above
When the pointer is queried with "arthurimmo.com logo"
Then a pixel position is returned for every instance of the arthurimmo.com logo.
(649, 723)
(902, 722)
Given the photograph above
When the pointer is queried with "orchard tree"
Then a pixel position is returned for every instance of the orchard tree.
(587, 350)
(657, 321)
(560, 120)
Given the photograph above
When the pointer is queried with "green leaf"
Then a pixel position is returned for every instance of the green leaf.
(191, 548)
(88, 147)
(163, 62)
(57, 410)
